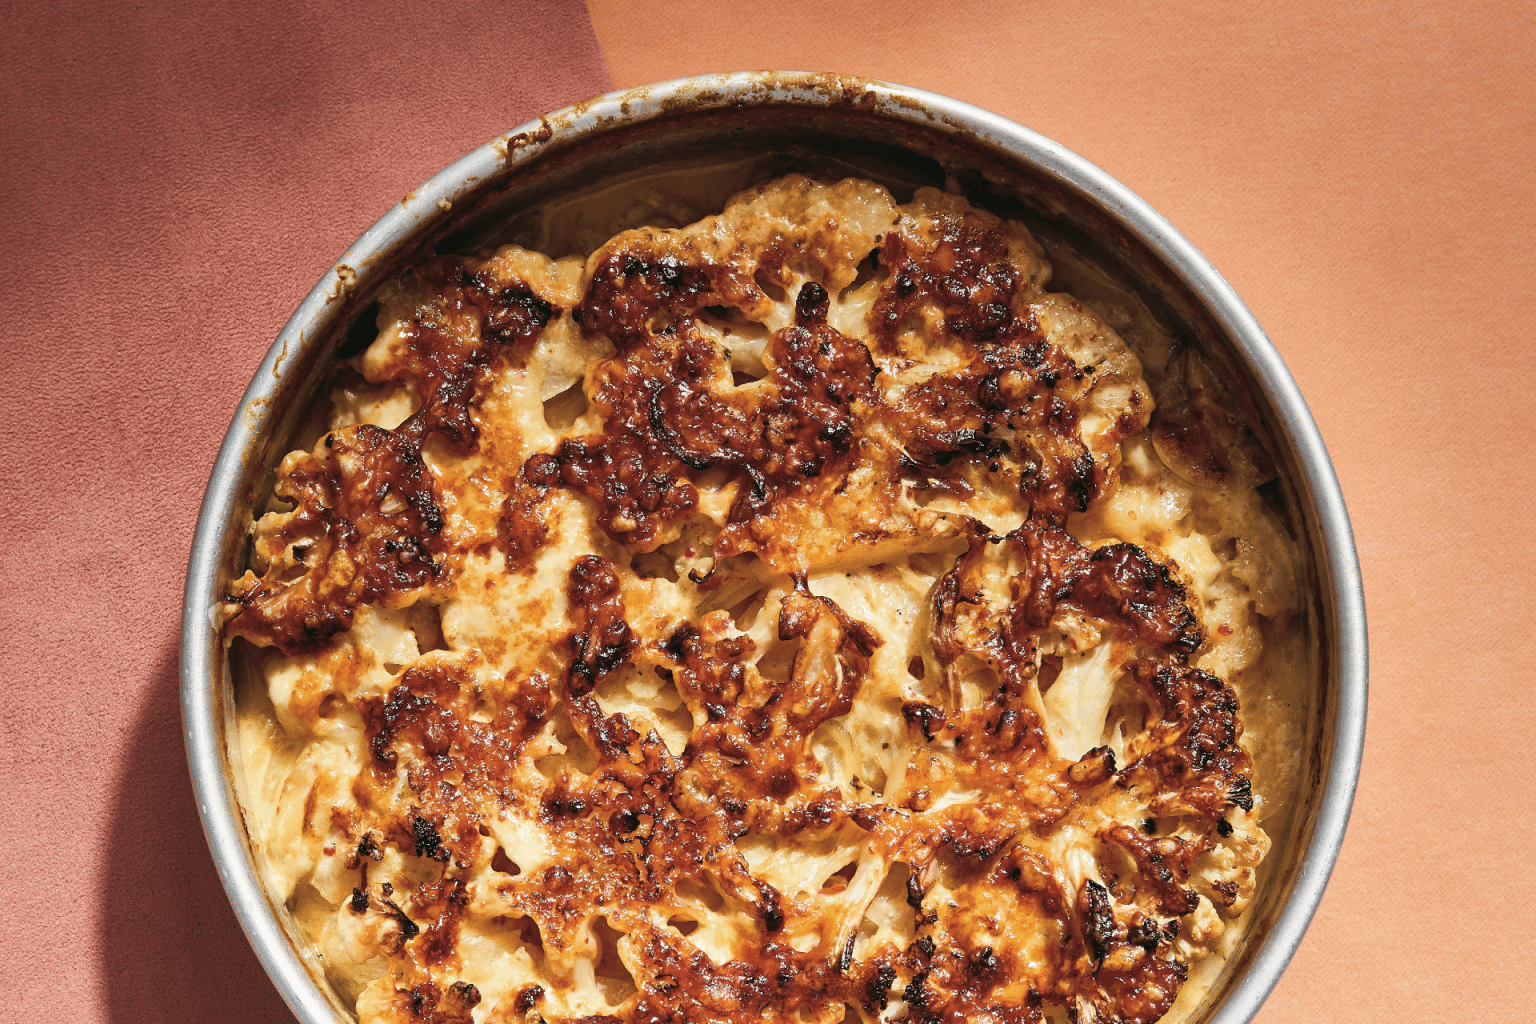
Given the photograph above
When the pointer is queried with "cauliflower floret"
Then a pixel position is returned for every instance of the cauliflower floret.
(1078, 701)
(1226, 873)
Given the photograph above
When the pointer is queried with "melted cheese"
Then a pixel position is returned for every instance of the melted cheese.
(533, 747)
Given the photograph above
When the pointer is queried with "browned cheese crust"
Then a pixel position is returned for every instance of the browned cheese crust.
(816, 507)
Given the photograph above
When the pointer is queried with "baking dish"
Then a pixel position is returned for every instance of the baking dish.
(704, 137)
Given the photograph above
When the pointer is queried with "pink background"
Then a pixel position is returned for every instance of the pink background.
(178, 176)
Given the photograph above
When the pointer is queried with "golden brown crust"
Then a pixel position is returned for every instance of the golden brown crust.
(364, 529)
(862, 797)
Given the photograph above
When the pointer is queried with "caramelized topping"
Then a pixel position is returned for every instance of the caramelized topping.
(748, 693)
(670, 413)
(364, 529)
(368, 521)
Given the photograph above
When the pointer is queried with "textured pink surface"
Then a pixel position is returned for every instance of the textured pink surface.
(176, 178)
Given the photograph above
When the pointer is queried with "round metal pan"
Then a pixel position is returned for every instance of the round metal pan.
(758, 123)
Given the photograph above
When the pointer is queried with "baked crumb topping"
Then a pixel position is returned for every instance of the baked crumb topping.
(794, 616)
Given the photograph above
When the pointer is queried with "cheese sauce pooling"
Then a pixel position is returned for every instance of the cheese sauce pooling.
(796, 616)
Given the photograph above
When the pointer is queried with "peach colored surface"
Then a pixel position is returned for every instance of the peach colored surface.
(177, 177)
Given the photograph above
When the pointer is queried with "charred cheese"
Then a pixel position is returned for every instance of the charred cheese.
(795, 616)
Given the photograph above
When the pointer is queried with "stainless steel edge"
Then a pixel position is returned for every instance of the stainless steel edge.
(201, 657)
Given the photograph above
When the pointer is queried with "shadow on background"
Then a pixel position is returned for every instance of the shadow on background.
(171, 947)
